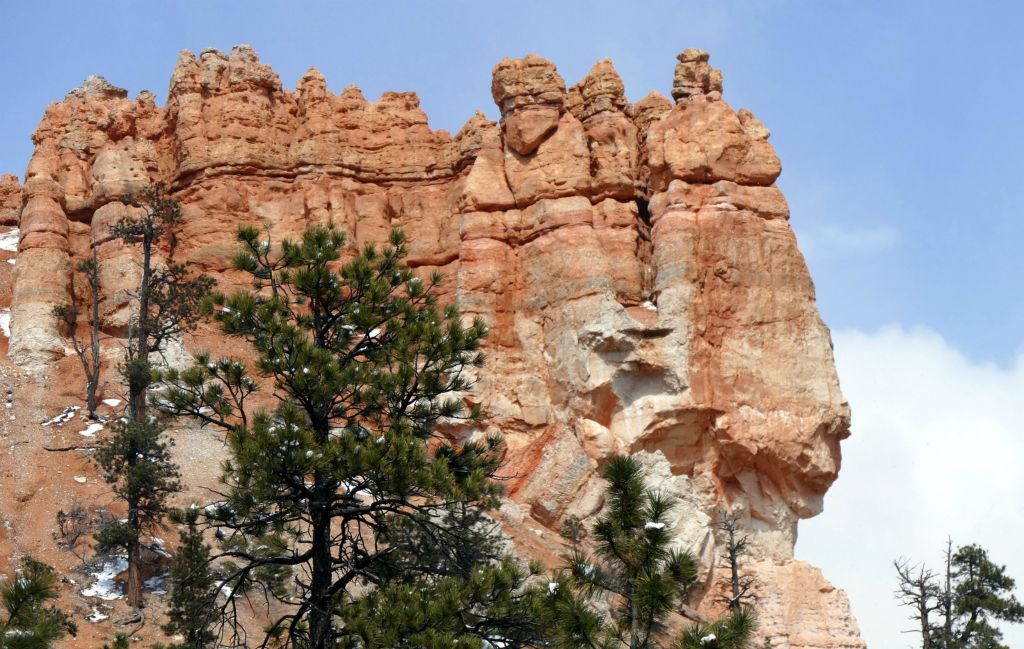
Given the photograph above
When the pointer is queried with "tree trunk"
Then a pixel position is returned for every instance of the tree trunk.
(947, 597)
(133, 588)
(137, 391)
(321, 610)
(94, 376)
(734, 603)
(923, 611)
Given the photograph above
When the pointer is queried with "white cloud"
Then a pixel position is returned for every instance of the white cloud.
(937, 449)
(845, 241)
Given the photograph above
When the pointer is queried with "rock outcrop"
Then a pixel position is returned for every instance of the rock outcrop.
(635, 263)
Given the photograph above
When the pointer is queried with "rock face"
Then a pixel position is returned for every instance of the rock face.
(635, 263)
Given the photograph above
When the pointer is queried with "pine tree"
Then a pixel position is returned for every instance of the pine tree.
(193, 591)
(136, 459)
(347, 479)
(637, 573)
(451, 591)
(972, 595)
(492, 604)
(26, 621)
(168, 298)
(87, 350)
(136, 462)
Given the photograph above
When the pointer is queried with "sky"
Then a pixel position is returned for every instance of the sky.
(900, 132)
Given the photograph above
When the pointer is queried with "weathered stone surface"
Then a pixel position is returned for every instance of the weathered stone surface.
(612, 137)
(531, 96)
(10, 199)
(695, 76)
(635, 263)
(704, 140)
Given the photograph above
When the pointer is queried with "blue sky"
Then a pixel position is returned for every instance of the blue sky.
(898, 124)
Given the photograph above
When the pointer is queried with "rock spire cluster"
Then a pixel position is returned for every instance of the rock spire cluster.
(634, 261)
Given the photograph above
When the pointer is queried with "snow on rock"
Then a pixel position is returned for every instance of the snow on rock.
(159, 546)
(9, 240)
(64, 416)
(5, 321)
(96, 615)
(155, 585)
(91, 430)
(105, 587)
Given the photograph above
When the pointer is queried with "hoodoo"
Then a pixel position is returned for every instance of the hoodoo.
(634, 262)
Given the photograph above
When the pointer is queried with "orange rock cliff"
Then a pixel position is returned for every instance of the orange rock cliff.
(635, 263)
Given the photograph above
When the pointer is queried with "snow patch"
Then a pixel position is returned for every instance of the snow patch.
(9, 240)
(155, 585)
(64, 416)
(651, 525)
(113, 403)
(105, 587)
(5, 321)
(91, 430)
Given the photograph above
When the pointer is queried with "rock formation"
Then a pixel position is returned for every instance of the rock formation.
(634, 261)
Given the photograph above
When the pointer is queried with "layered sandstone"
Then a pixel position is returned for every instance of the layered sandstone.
(634, 261)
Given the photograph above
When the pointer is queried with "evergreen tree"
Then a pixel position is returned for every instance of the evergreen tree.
(168, 298)
(136, 460)
(972, 595)
(193, 590)
(347, 485)
(637, 574)
(87, 350)
(452, 591)
(492, 604)
(26, 621)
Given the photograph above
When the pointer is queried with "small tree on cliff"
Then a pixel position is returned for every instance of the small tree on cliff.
(957, 609)
(26, 621)
(168, 299)
(637, 573)
(736, 547)
(136, 462)
(191, 611)
(87, 349)
(136, 459)
(347, 484)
